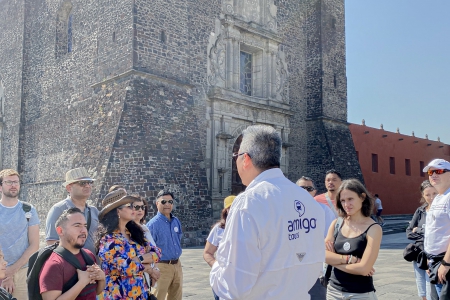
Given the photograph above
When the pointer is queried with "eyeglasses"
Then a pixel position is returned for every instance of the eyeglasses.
(138, 207)
(163, 202)
(10, 183)
(308, 188)
(126, 205)
(237, 154)
(84, 183)
(439, 171)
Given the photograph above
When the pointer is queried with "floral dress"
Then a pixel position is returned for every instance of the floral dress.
(124, 276)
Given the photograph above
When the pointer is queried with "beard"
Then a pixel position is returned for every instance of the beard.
(78, 246)
(75, 244)
(10, 194)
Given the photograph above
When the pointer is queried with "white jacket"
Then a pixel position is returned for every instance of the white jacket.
(272, 246)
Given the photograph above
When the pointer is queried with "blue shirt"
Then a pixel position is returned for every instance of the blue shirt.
(14, 231)
(167, 235)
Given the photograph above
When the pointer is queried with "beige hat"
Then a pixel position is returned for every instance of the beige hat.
(114, 200)
(76, 175)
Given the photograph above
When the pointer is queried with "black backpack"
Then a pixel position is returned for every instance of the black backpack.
(4, 295)
(37, 261)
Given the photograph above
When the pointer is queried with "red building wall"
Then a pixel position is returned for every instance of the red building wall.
(399, 192)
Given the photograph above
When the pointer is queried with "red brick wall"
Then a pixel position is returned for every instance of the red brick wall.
(399, 193)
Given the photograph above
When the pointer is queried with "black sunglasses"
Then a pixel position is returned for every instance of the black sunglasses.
(85, 182)
(308, 188)
(138, 207)
(165, 201)
(439, 171)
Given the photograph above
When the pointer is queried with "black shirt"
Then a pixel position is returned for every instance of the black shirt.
(346, 282)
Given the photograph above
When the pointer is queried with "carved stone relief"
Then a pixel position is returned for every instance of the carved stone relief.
(262, 12)
(282, 75)
(217, 61)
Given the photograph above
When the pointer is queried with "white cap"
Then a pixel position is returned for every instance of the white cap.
(438, 164)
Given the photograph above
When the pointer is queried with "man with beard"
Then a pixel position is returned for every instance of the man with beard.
(56, 272)
(19, 234)
(79, 186)
(333, 180)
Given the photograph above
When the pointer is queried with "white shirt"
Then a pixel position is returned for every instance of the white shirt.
(378, 204)
(272, 246)
(215, 236)
(329, 217)
(437, 228)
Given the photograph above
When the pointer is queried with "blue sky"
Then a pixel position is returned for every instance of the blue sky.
(398, 65)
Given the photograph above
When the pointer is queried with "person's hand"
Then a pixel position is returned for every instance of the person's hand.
(414, 229)
(11, 271)
(371, 272)
(442, 273)
(329, 246)
(155, 274)
(8, 284)
(84, 277)
(95, 273)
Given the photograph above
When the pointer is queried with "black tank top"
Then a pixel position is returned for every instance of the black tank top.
(346, 282)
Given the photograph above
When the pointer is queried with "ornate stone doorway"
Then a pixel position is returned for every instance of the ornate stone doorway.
(236, 182)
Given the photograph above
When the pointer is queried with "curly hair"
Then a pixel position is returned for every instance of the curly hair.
(356, 186)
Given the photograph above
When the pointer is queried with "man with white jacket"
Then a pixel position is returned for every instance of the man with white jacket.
(272, 246)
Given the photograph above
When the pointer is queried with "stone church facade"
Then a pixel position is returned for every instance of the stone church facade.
(155, 94)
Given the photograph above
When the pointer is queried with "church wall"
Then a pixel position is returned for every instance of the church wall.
(68, 120)
(11, 46)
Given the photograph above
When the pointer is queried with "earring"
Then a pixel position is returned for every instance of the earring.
(119, 216)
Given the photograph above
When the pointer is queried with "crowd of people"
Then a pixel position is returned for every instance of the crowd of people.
(274, 240)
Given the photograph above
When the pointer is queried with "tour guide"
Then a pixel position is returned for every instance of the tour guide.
(272, 246)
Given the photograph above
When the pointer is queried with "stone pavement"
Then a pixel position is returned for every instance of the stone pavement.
(394, 277)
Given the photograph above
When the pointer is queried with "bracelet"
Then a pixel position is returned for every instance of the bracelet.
(350, 260)
(347, 259)
(444, 263)
(342, 257)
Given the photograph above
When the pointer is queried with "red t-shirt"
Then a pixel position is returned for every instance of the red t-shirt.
(322, 199)
(56, 272)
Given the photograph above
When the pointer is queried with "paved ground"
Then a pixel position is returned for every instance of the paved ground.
(394, 278)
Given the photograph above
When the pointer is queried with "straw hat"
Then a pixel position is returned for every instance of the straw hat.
(228, 201)
(114, 200)
(76, 175)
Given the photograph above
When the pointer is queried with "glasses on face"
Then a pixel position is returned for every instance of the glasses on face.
(163, 202)
(439, 171)
(10, 183)
(84, 183)
(138, 207)
(308, 188)
(237, 154)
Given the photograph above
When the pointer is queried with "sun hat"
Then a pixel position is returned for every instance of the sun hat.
(75, 175)
(228, 201)
(114, 200)
(438, 164)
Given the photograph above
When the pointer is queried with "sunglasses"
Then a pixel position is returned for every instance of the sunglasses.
(84, 183)
(138, 207)
(308, 188)
(439, 171)
(163, 202)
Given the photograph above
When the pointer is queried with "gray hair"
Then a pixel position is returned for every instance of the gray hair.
(306, 178)
(263, 145)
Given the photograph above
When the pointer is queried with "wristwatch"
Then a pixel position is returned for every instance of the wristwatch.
(141, 258)
(444, 263)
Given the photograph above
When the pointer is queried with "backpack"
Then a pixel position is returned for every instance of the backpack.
(26, 208)
(4, 295)
(37, 261)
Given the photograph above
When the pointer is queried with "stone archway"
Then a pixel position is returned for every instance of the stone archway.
(236, 182)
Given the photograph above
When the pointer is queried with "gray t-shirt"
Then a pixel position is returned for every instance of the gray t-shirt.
(14, 231)
(57, 210)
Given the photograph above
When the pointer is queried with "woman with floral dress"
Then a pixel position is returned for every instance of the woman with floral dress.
(123, 251)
